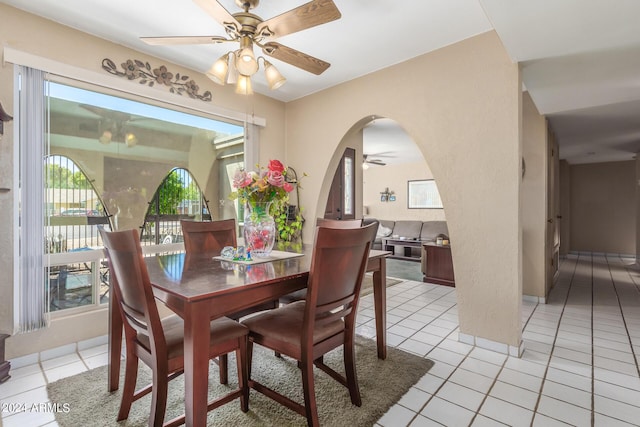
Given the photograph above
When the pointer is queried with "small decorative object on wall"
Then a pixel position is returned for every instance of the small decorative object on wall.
(423, 194)
(135, 69)
(4, 117)
(387, 196)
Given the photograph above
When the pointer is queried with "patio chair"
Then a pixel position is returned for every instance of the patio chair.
(306, 330)
(160, 342)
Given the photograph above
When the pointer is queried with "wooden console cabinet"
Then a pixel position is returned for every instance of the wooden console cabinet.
(438, 264)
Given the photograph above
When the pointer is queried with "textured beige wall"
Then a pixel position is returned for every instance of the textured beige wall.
(377, 178)
(47, 39)
(603, 207)
(565, 207)
(461, 105)
(534, 202)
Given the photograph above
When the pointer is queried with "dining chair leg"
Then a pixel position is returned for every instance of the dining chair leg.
(310, 406)
(159, 392)
(350, 370)
(243, 374)
(129, 386)
(249, 358)
(223, 362)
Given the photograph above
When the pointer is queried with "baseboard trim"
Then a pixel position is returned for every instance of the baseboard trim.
(533, 298)
(515, 351)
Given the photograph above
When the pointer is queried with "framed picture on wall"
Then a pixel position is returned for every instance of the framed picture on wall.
(423, 194)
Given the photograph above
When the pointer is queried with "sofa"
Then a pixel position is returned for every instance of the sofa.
(426, 231)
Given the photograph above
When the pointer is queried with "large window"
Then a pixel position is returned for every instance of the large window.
(122, 164)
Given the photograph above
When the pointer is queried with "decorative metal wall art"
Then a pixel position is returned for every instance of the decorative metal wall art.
(134, 69)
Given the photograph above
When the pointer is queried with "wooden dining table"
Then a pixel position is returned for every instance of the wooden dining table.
(201, 288)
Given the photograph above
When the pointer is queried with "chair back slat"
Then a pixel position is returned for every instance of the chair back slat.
(136, 319)
(131, 285)
(208, 237)
(338, 223)
(338, 264)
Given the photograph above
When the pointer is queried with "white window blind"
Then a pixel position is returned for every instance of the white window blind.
(32, 131)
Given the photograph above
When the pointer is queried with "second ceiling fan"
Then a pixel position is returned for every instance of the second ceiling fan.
(367, 161)
(249, 30)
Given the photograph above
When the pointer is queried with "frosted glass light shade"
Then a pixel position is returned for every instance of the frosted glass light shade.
(246, 62)
(274, 78)
(219, 70)
(243, 86)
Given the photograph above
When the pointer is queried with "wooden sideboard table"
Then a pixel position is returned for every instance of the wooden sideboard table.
(438, 266)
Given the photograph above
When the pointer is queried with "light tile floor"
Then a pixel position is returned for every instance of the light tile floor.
(580, 365)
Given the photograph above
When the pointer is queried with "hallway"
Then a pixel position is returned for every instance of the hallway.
(580, 365)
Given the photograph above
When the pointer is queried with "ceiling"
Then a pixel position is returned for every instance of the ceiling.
(580, 59)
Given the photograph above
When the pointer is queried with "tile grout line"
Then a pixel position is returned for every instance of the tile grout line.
(546, 370)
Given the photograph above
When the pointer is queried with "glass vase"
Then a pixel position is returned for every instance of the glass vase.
(259, 229)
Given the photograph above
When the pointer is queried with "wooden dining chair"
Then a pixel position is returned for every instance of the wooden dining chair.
(306, 330)
(160, 342)
(209, 238)
(320, 222)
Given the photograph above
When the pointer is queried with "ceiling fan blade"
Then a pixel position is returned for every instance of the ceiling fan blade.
(183, 40)
(295, 58)
(308, 15)
(219, 13)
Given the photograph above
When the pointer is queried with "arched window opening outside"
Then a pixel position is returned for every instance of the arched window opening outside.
(74, 213)
(178, 197)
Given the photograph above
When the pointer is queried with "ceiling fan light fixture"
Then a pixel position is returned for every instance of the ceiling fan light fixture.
(246, 63)
(130, 139)
(274, 78)
(243, 86)
(249, 29)
(219, 70)
(106, 137)
(365, 165)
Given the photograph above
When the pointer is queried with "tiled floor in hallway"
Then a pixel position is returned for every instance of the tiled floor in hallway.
(580, 365)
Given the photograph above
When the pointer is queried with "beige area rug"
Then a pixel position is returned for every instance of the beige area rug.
(382, 383)
(367, 284)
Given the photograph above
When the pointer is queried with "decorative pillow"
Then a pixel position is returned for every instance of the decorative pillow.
(383, 231)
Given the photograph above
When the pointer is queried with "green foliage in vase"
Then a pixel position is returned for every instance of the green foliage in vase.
(288, 229)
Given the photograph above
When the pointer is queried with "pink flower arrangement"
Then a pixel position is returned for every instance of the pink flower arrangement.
(268, 185)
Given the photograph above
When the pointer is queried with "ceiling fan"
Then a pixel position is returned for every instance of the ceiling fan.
(114, 125)
(366, 162)
(247, 29)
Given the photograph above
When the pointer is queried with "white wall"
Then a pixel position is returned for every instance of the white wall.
(395, 177)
